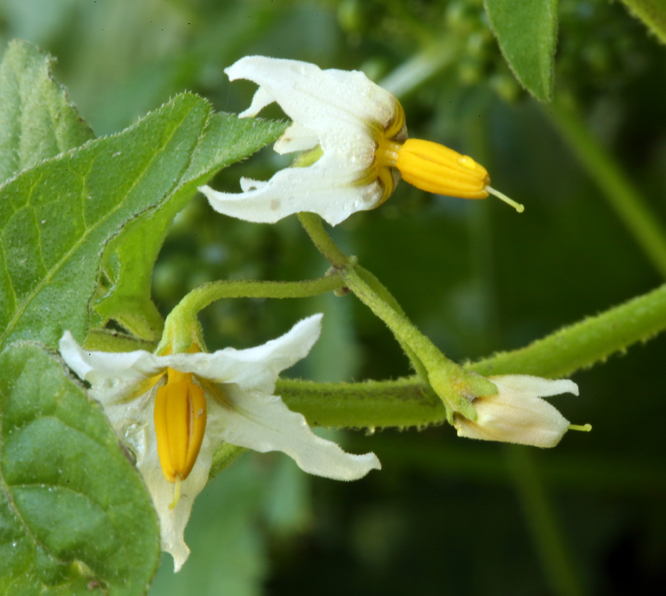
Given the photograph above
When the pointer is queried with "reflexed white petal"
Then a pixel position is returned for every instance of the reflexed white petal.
(321, 100)
(134, 424)
(342, 112)
(332, 193)
(264, 423)
(261, 99)
(109, 373)
(255, 368)
(535, 386)
(296, 138)
(248, 184)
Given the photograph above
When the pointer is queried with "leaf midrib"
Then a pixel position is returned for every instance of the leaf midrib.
(38, 288)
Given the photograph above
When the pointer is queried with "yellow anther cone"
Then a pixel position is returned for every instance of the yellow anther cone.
(180, 423)
(440, 170)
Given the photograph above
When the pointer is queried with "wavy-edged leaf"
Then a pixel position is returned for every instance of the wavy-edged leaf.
(56, 217)
(37, 120)
(526, 31)
(130, 256)
(75, 517)
(652, 13)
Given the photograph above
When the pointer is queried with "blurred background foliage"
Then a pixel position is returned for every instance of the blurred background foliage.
(445, 516)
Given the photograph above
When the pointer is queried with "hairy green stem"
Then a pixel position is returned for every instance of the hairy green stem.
(618, 189)
(585, 343)
(410, 402)
(182, 328)
(383, 293)
(454, 385)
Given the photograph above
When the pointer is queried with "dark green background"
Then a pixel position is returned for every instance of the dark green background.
(445, 515)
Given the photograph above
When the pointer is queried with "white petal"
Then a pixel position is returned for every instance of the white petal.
(340, 111)
(111, 374)
(331, 192)
(134, 424)
(264, 423)
(296, 138)
(321, 100)
(255, 368)
(517, 414)
(248, 184)
(529, 385)
(261, 99)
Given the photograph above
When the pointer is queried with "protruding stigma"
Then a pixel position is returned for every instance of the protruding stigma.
(180, 423)
(586, 428)
(500, 195)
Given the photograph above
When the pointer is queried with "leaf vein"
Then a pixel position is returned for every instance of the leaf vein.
(33, 293)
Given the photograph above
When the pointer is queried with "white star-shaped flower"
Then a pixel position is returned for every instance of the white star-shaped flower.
(174, 411)
(517, 414)
(355, 141)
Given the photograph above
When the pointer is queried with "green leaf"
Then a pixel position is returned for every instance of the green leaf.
(130, 256)
(527, 34)
(75, 517)
(652, 13)
(56, 217)
(37, 121)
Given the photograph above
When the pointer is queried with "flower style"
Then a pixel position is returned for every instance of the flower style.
(355, 145)
(516, 414)
(174, 411)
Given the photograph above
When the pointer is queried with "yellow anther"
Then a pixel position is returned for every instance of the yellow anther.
(180, 423)
(438, 169)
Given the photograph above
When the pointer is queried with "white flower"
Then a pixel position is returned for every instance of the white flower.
(516, 414)
(229, 396)
(356, 135)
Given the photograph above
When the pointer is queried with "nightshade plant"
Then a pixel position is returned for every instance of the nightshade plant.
(82, 220)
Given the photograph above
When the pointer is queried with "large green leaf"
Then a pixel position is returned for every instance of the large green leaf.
(527, 34)
(56, 217)
(130, 256)
(652, 13)
(37, 120)
(75, 517)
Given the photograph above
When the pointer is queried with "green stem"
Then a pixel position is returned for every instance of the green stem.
(382, 292)
(410, 402)
(542, 523)
(618, 189)
(585, 343)
(371, 404)
(182, 328)
(454, 385)
(314, 227)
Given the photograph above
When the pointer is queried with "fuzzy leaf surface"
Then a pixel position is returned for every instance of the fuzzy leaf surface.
(57, 217)
(37, 120)
(652, 13)
(129, 258)
(75, 517)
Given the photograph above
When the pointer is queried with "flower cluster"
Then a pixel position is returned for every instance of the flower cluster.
(175, 410)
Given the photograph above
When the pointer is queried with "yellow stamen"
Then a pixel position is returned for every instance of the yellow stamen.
(438, 169)
(582, 427)
(180, 423)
